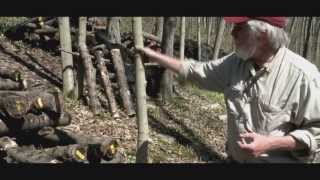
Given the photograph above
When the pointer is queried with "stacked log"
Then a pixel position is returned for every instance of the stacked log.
(116, 60)
(24, 112)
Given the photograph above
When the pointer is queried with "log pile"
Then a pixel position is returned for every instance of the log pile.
(114, 63)
(31, 128)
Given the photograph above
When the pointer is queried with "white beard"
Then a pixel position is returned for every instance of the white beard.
(246, 51)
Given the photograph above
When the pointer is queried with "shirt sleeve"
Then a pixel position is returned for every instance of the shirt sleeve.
(308, 114)
(211, 75)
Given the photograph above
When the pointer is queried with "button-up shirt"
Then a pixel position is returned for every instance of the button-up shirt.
(282, 98)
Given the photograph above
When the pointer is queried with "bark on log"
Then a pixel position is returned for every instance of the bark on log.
(152, 37)
(18, 103)
(32, 122)
(15, 154)
(87, 65)
(69, 153)
(13, 75)
(7, 84)
(98, 147)
(46, 29)
(14, 29)
(107, 85)
(51, 22)
(122, 81)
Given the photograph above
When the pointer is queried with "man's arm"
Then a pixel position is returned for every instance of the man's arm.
(164, 60)
(257, 144)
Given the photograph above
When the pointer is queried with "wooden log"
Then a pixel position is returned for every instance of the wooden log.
(98, 147)
(20, 57)
(7, 84)
(16, 154)
(87, 62)
(51, 22)
(122, 81)
(46, 29)
(93, 104)
(152, 37)
(14, 29)
(69, 153)
(18, 103)
(31, 25)
(10, 74)
(32, 122)
(126, 54)
(107, 85)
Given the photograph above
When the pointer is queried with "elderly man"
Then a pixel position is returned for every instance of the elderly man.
(272, 94)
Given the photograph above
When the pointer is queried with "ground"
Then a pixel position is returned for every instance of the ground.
(189, 129)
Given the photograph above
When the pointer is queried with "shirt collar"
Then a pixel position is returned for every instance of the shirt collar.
(269, 66)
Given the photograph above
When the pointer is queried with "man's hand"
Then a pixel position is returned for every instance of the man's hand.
(254, 144)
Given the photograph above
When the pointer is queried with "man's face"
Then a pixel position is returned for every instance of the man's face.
(245, 41)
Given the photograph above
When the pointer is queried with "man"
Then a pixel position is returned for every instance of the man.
(272, 94)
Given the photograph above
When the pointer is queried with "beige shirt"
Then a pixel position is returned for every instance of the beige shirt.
(283, 98)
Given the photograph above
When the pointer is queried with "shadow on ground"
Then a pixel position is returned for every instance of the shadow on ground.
(204, 151)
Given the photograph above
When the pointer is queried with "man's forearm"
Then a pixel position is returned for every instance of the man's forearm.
(167, 61)
(287, 143)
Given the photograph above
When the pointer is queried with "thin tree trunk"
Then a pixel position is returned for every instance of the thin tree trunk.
(67, 61)
(143, 129)
(107, 85)
(308, 34)
(199, 38)
(113, 30)
(86, 58)
(317, 57)
(209, 30)
(182, 37)
(219, 39)
(122, 81)
(292, 33)
(159, 27)
(169, 27)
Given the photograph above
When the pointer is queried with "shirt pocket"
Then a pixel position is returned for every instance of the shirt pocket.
(278, 120)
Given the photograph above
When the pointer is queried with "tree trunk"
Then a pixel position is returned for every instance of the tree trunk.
(113, 30)
(107, 85)
(169, 27)
(87, 63)
(317, 56)
(291, 32)
(209, 30)
(159, 27)
(67, 61)
(143, 130)
(308, 34)
(219, 39)
(122, 81)
(182, 37)
(199, 38)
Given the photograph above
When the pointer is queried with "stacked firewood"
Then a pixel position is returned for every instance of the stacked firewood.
(112, 62)
(32, 128)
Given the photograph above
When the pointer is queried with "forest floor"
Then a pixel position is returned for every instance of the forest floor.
(189, 129)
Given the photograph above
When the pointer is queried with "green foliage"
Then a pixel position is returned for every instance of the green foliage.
(210, 95)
